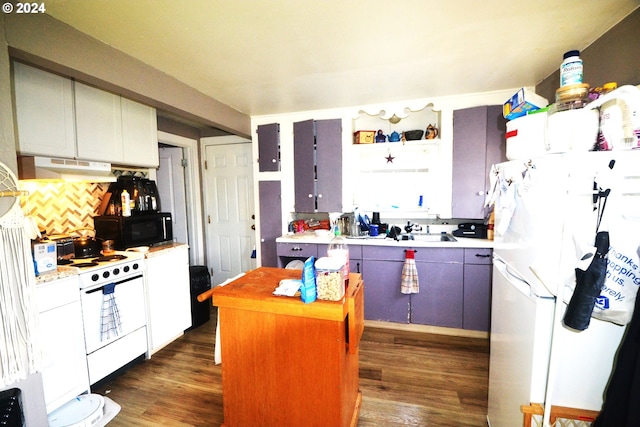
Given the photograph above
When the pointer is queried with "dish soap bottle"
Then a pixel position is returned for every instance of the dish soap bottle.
(338, 248)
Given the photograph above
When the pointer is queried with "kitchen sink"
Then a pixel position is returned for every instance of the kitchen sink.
(434, 238)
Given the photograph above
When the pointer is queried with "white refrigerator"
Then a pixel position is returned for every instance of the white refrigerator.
(544, 217)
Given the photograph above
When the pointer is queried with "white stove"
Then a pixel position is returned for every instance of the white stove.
(112, 287)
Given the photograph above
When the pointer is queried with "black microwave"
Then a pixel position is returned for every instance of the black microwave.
(131, 231)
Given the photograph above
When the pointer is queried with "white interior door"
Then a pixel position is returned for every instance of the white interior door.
(171, 188)
(229, 210)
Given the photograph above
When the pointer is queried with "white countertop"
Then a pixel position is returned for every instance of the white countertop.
(461, 242)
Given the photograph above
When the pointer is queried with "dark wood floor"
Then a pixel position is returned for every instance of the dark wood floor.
(407, 379)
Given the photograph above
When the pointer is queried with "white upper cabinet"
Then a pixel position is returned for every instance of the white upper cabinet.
(44, 112)
(98, 124)
(139, 134)
(57, 117)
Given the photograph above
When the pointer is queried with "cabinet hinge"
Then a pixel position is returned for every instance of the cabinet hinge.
(205, 165)
(184, 163)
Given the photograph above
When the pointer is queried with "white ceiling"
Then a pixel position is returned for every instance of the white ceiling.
(277, 56)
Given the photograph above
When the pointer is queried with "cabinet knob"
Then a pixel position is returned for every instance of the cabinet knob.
(480, 193)
(261, 240)
(319, 196)
(273, 160)
(310, 195)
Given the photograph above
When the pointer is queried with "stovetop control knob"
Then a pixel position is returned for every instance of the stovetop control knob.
(95, 277)
(135, 266)
(106, 274)
(126, 268)
(116, 271)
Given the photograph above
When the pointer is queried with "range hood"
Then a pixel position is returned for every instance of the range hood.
(37, 167)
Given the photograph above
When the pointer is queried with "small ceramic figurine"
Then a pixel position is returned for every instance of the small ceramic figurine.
(380, 137)
(431, 133)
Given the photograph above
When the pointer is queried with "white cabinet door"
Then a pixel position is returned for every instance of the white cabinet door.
(98, 125)
(139, 134)
(44, 112)
(64, 364)
(169, 295)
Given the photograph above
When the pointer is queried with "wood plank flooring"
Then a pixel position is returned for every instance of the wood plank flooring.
(407, 379)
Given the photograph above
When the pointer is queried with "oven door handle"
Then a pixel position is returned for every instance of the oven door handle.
(128, 279)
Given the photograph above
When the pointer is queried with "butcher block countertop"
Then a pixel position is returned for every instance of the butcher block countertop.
(254, 291)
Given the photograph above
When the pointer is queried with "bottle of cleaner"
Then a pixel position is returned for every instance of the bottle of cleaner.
(126, 203)
(571, 69)
(491, 225)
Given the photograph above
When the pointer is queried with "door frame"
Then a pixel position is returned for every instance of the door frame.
(193, 191)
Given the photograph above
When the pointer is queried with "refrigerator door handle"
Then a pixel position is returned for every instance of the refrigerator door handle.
(512, 277)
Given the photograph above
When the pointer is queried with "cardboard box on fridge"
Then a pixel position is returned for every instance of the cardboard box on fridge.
(521, 103)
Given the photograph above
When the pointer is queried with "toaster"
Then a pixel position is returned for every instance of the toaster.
(64, 243)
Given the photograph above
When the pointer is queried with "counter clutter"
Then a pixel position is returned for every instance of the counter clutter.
(313, 238)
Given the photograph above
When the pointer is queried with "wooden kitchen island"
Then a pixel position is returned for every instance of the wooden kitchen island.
(286, 363)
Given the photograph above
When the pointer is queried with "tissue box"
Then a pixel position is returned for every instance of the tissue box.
(522, 102)
(364, 137)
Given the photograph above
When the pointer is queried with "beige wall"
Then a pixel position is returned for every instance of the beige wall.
(613, 57)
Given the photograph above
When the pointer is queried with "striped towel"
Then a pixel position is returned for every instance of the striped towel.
(110, 323)
(409, 284)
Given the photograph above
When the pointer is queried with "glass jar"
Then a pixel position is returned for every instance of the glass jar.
(330, 283)
(338, 248)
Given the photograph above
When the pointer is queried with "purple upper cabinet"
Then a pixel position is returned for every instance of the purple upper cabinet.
(478, 142)
(304, 166)
(269, 147)
(317, 156)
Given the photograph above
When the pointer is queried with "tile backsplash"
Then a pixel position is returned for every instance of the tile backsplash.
(61, 207)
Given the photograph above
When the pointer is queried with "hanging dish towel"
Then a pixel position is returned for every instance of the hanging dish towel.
(409, 283)
(110, 324)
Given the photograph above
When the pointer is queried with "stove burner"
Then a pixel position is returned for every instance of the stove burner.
(116, 257)
(85, 264)
(64, 262)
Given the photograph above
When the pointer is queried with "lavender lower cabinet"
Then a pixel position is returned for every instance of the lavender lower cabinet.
(439, 302)
(288, 252)
(383, 300)
(455, 283)
(477, 289)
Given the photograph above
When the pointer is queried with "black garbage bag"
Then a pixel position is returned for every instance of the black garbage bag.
(589, 284)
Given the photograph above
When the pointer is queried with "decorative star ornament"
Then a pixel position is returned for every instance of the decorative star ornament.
(389, 158)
